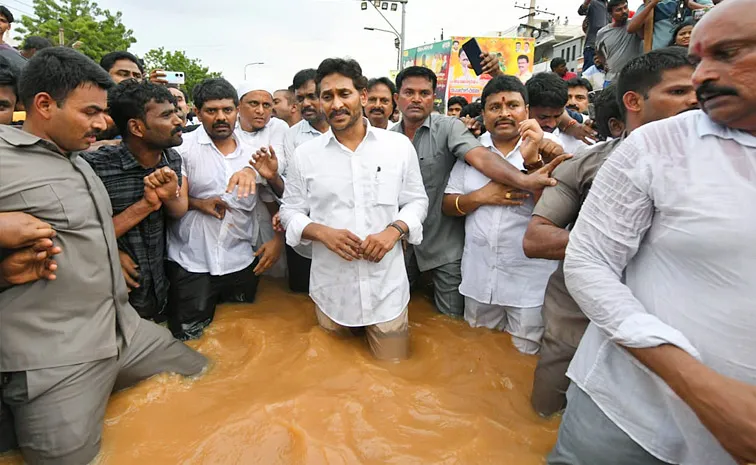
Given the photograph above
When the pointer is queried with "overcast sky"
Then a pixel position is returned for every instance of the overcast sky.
(288, 35)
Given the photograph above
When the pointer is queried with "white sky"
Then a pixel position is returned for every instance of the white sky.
(288, 35)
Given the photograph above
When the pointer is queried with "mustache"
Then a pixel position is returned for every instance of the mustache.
(93, 134)
(336, 113)
(378, 111)
(308, 109)
(221, 125)
(709, 90)
(177, 130)
(573, 107)
(505, 120)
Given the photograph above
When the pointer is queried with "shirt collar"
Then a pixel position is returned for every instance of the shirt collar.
(426, 124)
(707, 127)
(307, 127)
(329, 136)
(487, 141)
(21, 138)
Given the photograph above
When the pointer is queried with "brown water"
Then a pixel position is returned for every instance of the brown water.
(284, 392)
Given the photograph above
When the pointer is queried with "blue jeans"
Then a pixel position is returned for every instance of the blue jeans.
(588, 54)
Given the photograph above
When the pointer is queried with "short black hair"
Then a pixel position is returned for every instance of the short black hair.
(8, 76)
(416, 71)
(345, 67)
(547, 90)
(289, 95)
(580, 82)
(678, 28)
(382, 80)
(108, 61)
(214, 89)
(523, 57)
(556, 62)
(643, 73)
(175, 86)
(606, 106)
(128, 100)
(612, 4)
(504, 84)
(58, 71)
(473, 110)
(457, 100)
(35, 42)
(7, 13)
(303, 77)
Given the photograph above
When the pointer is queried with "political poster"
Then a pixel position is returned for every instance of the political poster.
(436, 58)
(515, 58)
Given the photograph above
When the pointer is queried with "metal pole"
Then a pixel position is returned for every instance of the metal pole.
(401, 45)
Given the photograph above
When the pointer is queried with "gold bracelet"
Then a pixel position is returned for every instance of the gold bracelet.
(456, 204)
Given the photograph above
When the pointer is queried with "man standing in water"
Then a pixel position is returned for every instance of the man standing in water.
(355, 193)
(68, 343)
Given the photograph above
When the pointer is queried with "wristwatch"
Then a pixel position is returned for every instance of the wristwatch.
(535, 166)
(402, 234)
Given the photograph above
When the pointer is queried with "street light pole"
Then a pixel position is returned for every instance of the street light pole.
(398, 43)
(251, 64)
(400, 35)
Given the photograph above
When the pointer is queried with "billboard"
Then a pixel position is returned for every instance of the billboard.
(436, 58)
(515, 58)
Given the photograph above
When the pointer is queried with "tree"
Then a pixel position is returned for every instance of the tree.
(192, 68)
(99, 31)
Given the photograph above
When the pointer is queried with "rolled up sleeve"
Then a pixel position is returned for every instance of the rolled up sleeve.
(615, 217)
(294, 208)
(413, 201)
(460, 140)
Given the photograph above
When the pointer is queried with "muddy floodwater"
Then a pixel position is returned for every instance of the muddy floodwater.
(281, 391)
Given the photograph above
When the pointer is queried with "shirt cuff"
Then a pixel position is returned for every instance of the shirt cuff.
(644, 331)
(415, 236)
(294, 230)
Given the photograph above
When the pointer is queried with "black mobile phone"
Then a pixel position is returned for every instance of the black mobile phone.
(473, 52)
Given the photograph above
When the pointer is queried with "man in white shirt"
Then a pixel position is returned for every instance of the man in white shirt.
(313, 124)
(355, 193)
(662, 260)
(211, 249)
(548, 97)
(503, 289)
(258, 129)
(381, 102)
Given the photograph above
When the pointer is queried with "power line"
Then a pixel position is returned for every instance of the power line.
(20, 10)
(23, 3)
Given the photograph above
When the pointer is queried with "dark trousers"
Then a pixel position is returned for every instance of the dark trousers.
(192, 297)
(588, 54)
(299, 271)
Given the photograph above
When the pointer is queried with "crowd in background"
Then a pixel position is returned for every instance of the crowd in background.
(601, 220)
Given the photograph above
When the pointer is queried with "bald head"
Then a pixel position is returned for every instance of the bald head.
(723, 47)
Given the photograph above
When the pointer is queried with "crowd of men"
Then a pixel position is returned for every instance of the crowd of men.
(607, 232)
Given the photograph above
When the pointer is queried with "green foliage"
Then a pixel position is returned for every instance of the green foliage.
(193, 69)
(98, 30)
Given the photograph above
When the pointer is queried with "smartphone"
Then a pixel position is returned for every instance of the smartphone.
(174, 77)
(473, 52)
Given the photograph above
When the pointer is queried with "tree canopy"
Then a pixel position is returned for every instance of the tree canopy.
(98, 31)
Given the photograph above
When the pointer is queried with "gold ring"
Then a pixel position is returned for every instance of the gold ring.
(509, 195)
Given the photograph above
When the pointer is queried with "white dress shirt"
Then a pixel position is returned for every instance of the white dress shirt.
(569, 143)
(201, 243)
(495, 269)
(295, 136)
(362, 191)
(672, 208)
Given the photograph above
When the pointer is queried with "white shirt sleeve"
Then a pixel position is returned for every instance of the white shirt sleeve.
(615, 217)
(413, 201)
(456, 184)
(287, 152)
(277, 135)
(294, 208)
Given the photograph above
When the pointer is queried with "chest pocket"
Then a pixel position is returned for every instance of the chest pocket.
(60, 205)
(387, 188)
